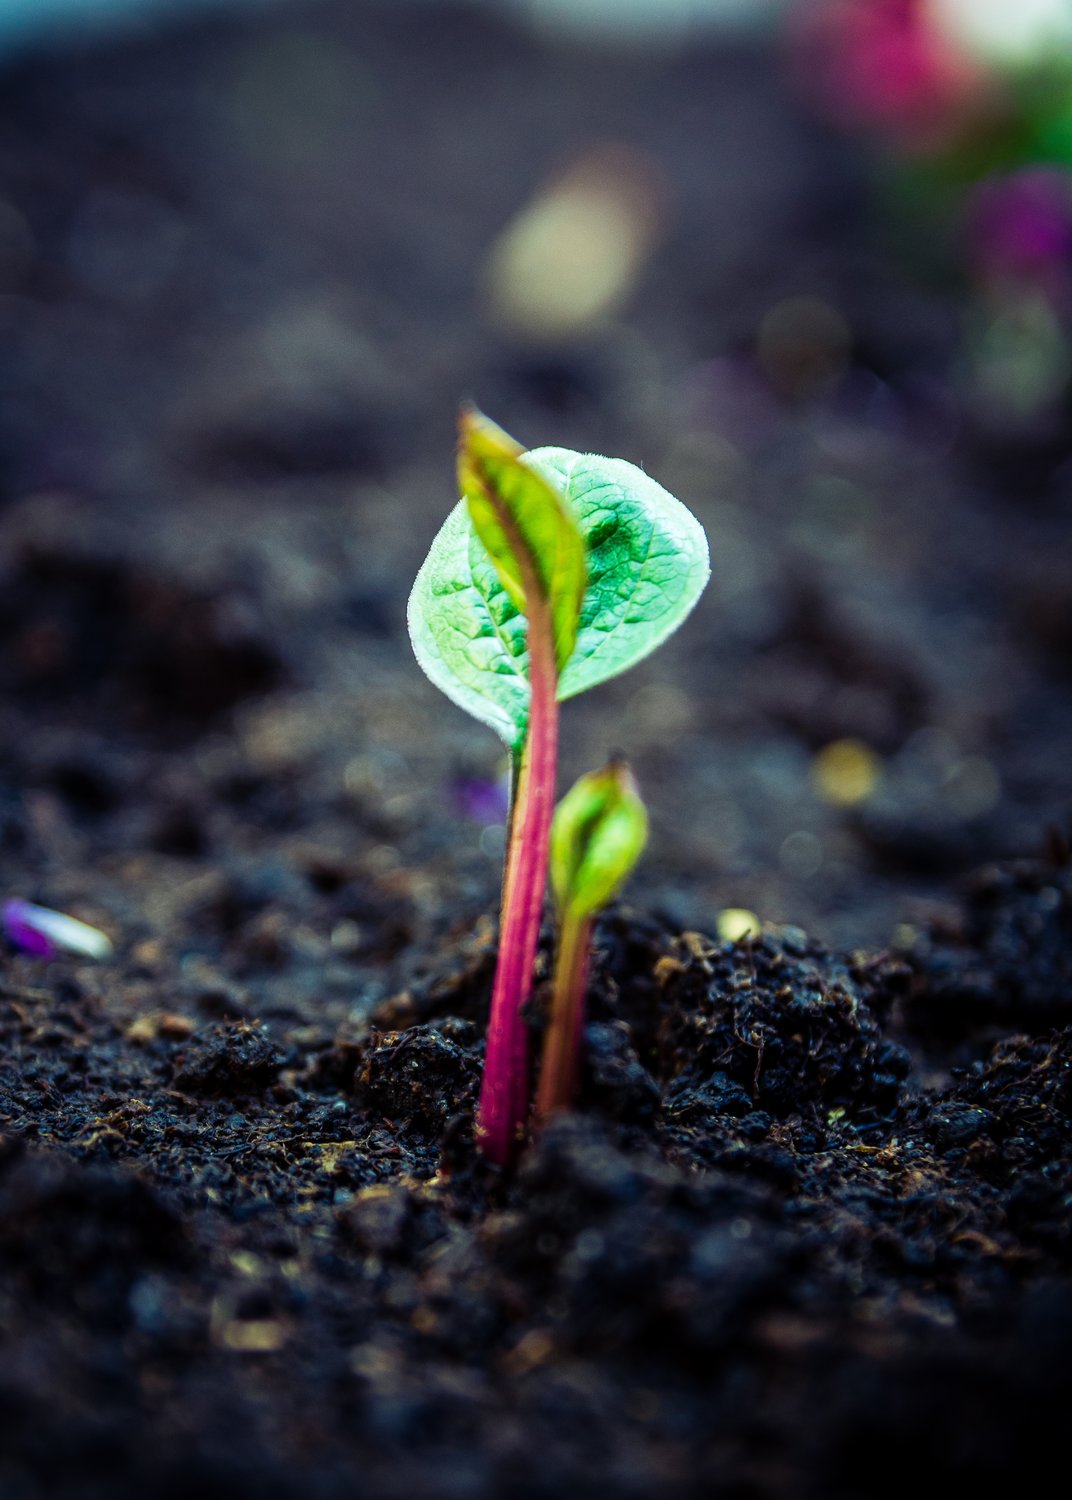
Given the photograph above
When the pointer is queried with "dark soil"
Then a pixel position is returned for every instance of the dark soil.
(809, 1231)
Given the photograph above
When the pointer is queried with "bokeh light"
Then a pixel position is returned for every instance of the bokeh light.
(574, 253)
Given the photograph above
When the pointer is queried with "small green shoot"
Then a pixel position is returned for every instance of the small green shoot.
(537, 552)
(647, 565)
(555, 571)
(599, 831)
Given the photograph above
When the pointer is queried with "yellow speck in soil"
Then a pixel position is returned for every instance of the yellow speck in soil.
(666, 967)
(535, 1348)
(247, 1264)
(143, 1030)
(846, 772)
(252, 1336)
(331, 1152)
(375, 1192)
(156, 1023)
(734, 923)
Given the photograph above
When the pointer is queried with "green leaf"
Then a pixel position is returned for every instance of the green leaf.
(468, 635)
(529, 532)
(599, 830)
(647, 566)
(648, 562)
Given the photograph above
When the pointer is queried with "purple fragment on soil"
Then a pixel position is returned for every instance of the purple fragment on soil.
(42, 932)
(484, 801)
(19, 929)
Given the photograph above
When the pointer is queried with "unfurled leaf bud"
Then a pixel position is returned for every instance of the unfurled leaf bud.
(599, 831)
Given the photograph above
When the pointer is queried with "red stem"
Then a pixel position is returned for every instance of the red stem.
(504, 1092)
(562, 1046)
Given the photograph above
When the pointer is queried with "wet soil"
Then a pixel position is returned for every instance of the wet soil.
(809, 1231)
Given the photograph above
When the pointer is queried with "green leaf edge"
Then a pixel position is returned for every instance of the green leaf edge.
(457, 526)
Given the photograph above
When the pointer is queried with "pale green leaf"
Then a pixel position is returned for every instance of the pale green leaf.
(647, 564)
(468, 635)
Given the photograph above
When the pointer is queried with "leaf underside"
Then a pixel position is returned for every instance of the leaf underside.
(647, 566)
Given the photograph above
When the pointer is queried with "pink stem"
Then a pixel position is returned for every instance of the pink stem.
(504, 1092)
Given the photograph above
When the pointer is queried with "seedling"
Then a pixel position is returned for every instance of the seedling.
(555, 571)
(599, 830)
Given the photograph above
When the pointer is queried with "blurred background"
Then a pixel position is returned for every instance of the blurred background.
(809, 264)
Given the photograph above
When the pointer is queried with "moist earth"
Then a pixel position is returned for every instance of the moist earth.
(768, 1247)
